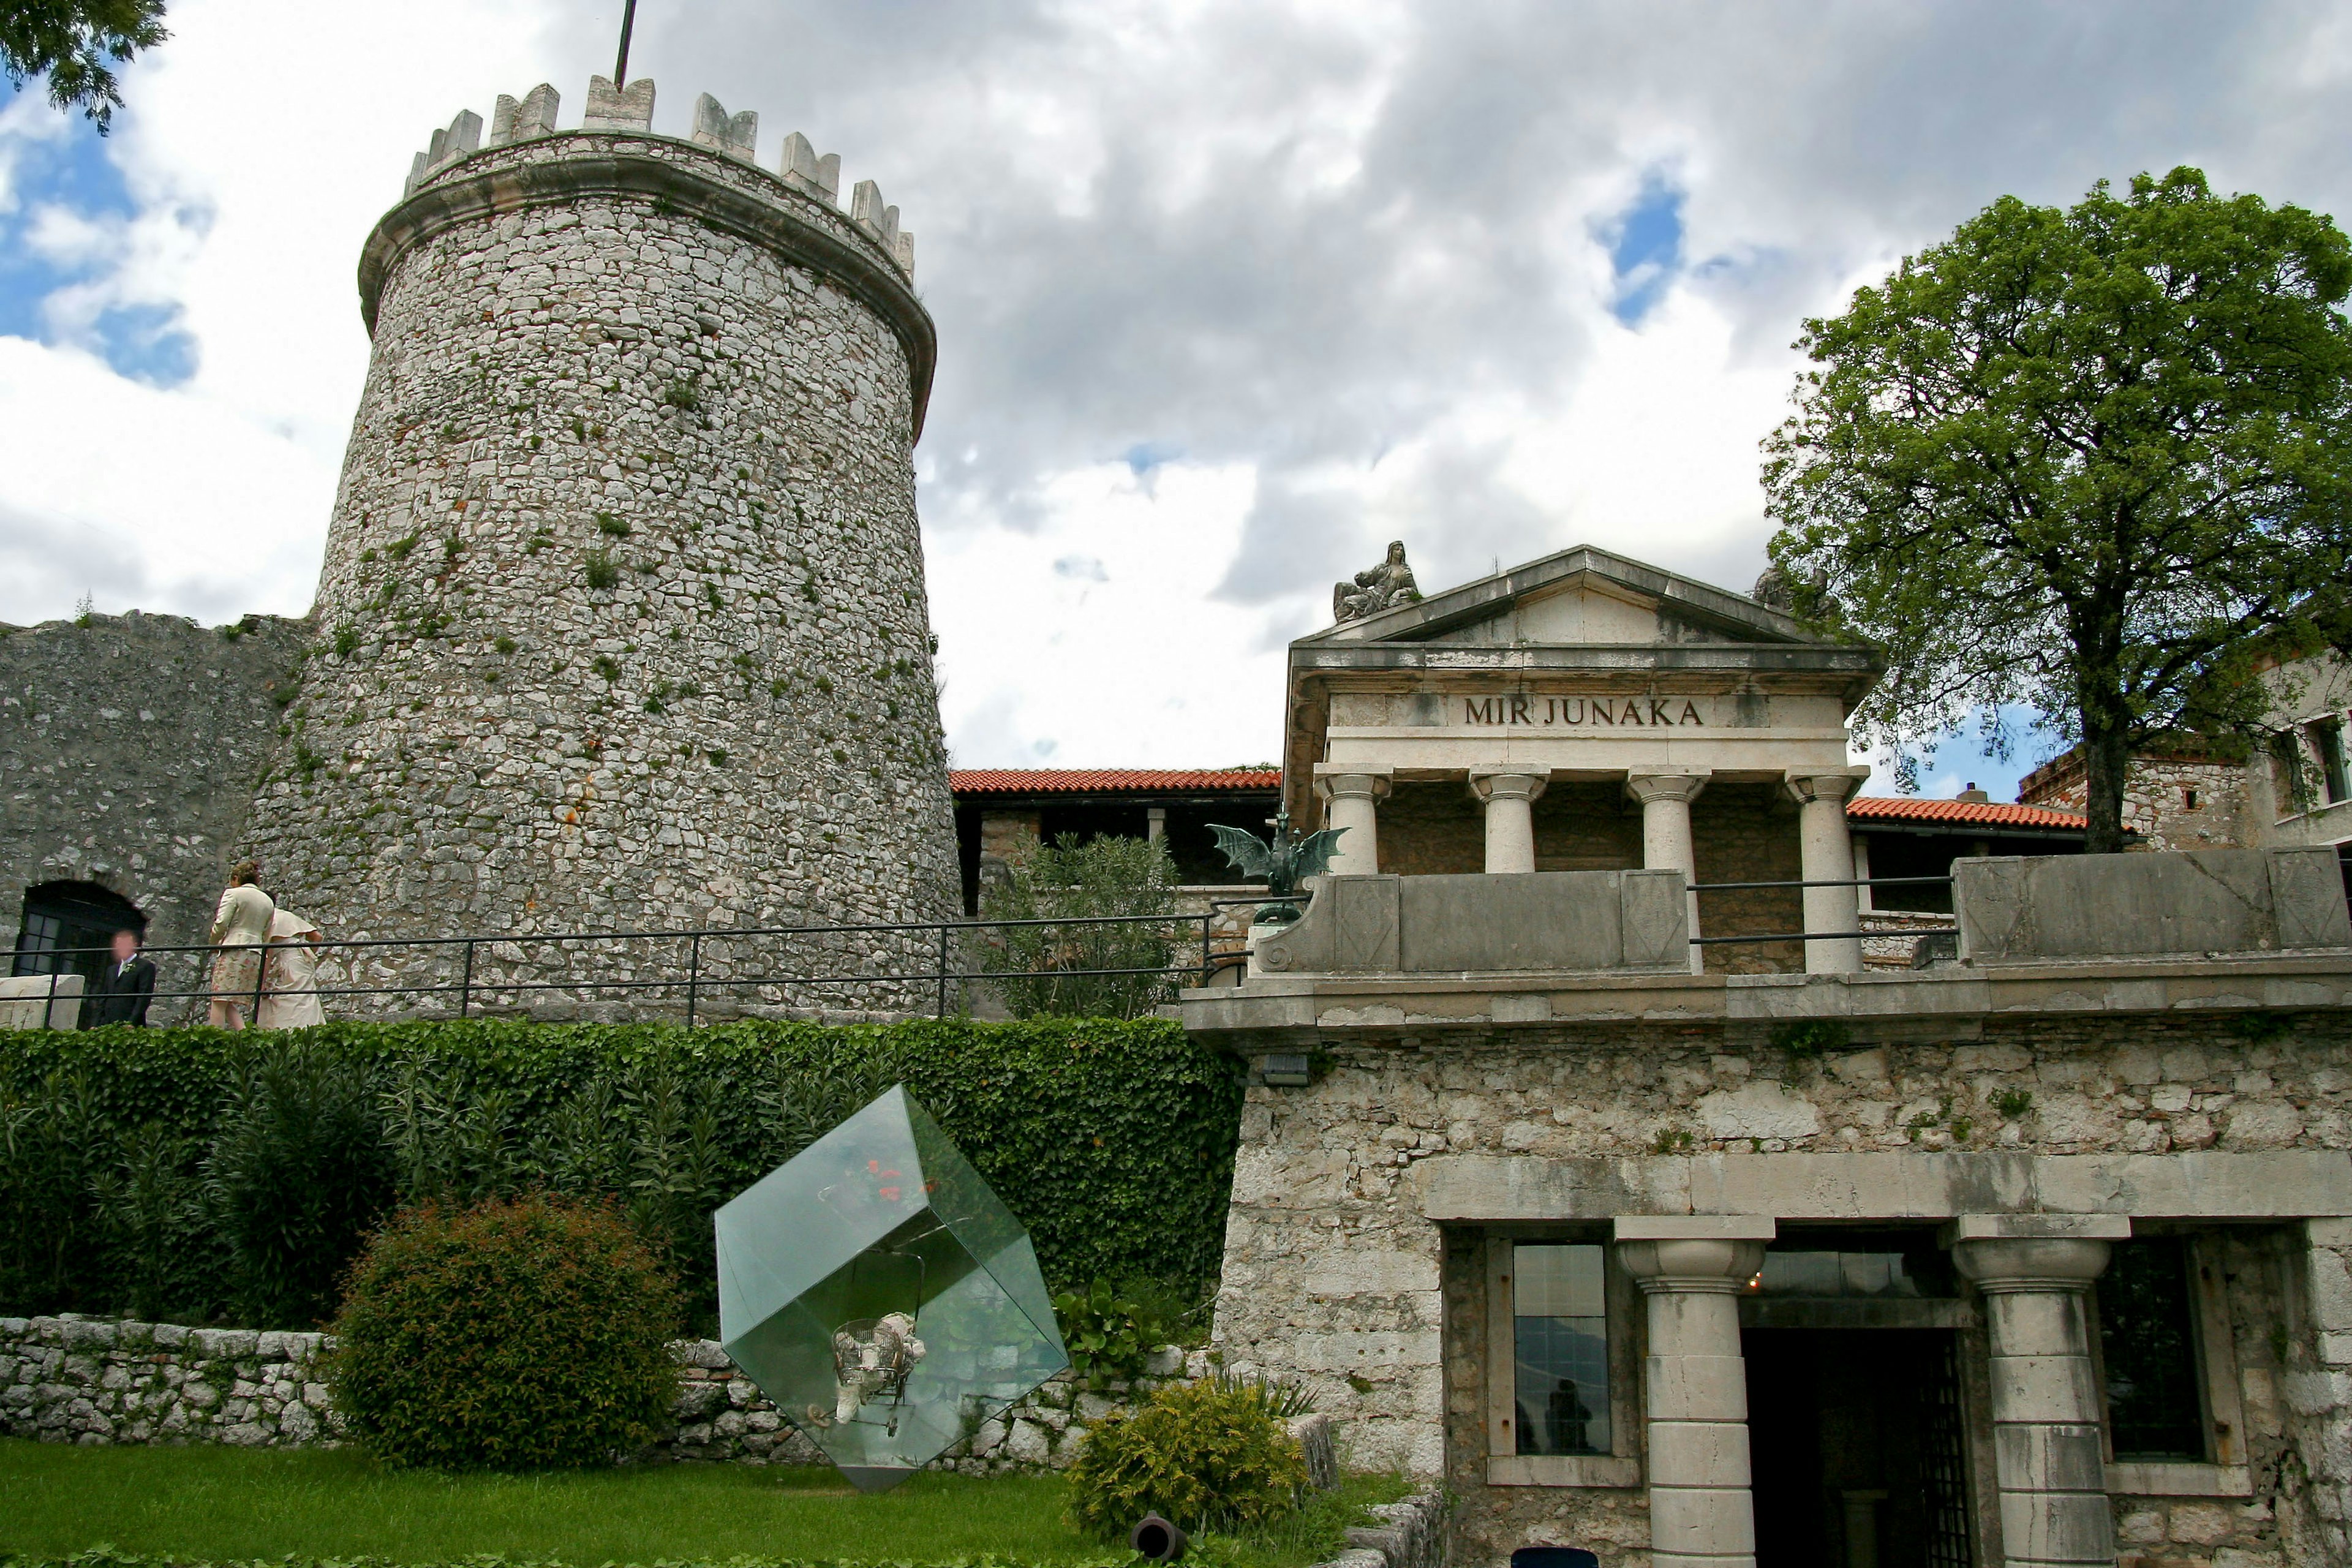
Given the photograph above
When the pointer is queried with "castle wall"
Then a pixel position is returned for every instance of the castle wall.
(131, 746)
(2184, 802)
(623, 606)
(1335, 1270)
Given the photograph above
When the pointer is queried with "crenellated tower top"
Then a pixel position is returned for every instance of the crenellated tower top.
(792, 209)
(630, 110)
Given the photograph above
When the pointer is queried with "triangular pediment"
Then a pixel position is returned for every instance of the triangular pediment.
(1578, 597)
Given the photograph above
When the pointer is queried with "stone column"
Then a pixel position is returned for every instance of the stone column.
(2034, 1271)
(1691, 1268)
(1351, 794)
(1508, 795)
(1666, 843)
(1825, 854)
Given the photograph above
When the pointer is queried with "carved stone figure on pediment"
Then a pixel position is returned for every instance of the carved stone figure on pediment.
(1388, 585)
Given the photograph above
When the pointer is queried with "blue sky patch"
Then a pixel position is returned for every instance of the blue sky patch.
(75, 174)
(1645, 248)
(1146, 456)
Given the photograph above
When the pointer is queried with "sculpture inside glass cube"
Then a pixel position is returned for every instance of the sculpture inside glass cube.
(886, 1300)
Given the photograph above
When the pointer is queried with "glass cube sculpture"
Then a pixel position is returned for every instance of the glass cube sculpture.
(882, 1296)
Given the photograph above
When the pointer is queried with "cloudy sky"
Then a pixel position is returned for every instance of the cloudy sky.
(1228, 294)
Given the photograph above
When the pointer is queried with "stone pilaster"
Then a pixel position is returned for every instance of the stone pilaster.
(1691, 1271)
(2034, 1272)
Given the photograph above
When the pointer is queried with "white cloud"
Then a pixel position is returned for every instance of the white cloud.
(1341, 265)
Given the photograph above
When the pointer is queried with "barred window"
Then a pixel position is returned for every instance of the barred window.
(2148, 1342)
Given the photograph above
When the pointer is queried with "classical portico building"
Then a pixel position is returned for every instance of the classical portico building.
(1684, 1247)
(1587, 712)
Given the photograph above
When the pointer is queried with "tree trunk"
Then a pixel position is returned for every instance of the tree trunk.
(2107, 759)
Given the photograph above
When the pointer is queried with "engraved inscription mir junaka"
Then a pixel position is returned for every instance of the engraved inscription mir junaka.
(1647, 712)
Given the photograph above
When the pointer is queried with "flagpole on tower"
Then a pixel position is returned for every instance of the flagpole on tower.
(620, 66)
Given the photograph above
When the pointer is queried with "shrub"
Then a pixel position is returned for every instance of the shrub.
(1111, 1330)
(523, 1334)
(1207, 1454)
(298, 1174)
(600, 570)
(1044, 968)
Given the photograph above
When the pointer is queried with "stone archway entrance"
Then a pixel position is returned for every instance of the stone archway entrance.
(1857, 1444)
(61, 917)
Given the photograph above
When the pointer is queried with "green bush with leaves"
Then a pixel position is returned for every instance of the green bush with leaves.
(1210, 1454)
(136, 1165)
(520, 1334)
(1076, 970)
(297, 1175)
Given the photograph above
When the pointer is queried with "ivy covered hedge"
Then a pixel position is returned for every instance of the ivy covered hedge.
(197, 1174)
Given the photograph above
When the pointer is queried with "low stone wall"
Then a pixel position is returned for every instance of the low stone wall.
(75, 1380)
(723, 1417)
(1409, 1534)
(79, 1380)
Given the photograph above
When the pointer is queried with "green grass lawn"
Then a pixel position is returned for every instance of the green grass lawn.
(207, 1502)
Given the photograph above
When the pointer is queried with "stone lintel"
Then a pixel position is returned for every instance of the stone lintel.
(2051, 1190)
(1695, 1228)
(2037, 1227)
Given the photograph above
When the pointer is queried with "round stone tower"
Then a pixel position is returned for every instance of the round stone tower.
(622, 624)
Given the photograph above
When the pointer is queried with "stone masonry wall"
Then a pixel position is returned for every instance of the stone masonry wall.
(624, 599)
(78, 1380)
(1332, 1274)
(2157, 795)
(129, 750)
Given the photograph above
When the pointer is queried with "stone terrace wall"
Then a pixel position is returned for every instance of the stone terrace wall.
(129, 751)
(78, 1380)
(1330, 1266)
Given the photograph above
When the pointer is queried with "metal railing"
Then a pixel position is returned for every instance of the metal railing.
(1830, 935)
(462, 975)
(466, 967)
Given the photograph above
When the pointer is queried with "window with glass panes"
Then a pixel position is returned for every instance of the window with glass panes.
(1562, 1328)
(2148, 1350)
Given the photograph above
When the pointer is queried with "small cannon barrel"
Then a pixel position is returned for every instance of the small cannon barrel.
(1157, 1540)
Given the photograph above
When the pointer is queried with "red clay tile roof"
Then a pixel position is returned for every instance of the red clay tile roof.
(1094, 781)
(1987, 813)
(1089, 781)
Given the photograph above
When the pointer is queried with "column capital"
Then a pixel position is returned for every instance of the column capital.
(1354, 781)
(1507, 783)
(1684, 784)
(1691, 1266)
(1810, 785)
(1998, 1266)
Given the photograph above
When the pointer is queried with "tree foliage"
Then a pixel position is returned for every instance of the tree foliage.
(1075, 970)
(2093, 462)
(76, 44)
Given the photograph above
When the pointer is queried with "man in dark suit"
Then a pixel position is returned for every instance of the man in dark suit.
(124, 987)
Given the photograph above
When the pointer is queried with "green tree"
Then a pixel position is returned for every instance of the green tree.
(1076, 970)
(2092, 461)
(75, 44)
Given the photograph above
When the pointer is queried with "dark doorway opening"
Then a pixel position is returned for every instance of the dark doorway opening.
(1857, 1446)
(62, 916)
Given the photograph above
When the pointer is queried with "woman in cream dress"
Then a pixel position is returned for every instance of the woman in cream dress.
(240, 929)
(289, 998)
